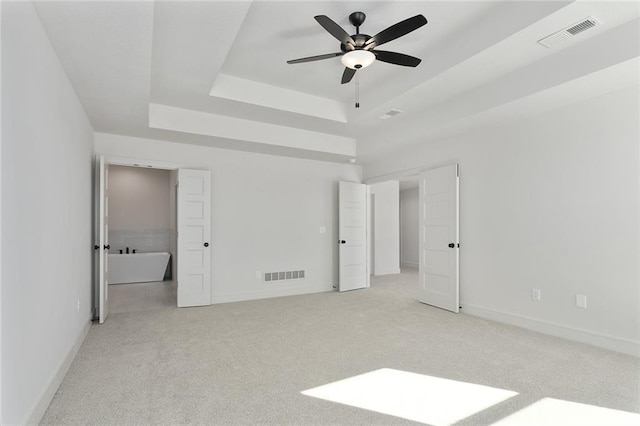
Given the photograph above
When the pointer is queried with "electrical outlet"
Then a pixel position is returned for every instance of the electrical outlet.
(581, 301)
(258, 274)
(78, 305)
(535, 294)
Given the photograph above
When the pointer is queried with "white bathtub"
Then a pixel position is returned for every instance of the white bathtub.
(137, 267)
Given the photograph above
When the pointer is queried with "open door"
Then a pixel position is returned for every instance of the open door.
(352, 235)
(194, 232)
(102, 245)
(439, 244)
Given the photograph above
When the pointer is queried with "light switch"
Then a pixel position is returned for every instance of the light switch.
(323, 230)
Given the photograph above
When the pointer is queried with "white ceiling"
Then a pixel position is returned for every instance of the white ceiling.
(147, 69)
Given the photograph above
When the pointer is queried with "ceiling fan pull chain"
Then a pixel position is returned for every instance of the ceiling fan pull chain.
(357, 91)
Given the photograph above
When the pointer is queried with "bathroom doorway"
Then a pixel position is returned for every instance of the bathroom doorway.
(142, 238)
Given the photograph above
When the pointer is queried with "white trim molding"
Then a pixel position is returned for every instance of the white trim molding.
(42, 403)
(386, 272)
(612, 343)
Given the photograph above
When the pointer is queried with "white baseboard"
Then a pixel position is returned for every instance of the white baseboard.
(268, 293)
(387, 272)
(612, 343)
(41, 405)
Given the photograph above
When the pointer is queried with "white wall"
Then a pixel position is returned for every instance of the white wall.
(138, 198)
(267, 213)
(46, 217)
(549, 202)
(409, 242)
(386, 227)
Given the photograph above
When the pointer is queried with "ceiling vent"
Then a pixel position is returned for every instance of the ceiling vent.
(569, 32)
(389, 114)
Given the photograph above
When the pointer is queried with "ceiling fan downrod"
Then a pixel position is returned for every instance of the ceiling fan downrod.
(357, 19)
(357, 91)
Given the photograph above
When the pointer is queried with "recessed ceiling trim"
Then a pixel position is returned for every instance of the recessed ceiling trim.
(253, 92)
(202, 123)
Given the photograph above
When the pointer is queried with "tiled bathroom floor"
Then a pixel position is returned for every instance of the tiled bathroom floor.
(142, 296)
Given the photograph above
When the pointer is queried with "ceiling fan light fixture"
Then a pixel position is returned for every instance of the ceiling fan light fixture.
(358, 59)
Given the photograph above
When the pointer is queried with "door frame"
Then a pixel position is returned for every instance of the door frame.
(119, 161)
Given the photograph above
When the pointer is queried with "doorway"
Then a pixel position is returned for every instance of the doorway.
(394, 236)
(142, 238)
(437, 230)
(189, 237)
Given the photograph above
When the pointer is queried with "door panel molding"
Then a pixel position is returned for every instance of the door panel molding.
(439, 238)
(352, 236)
(194, 237)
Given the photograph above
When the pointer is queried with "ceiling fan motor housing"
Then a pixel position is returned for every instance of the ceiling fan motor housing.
(360, 39)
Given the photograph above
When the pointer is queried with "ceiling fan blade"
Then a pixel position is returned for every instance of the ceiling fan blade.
(335, 30)
(397, 58)
(397, 30)
(315, 58)
(347, 75)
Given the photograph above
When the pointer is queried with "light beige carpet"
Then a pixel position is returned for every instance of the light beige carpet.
(248, 362)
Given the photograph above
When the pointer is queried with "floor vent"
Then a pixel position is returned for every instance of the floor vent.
(569, 32)
(285, 275)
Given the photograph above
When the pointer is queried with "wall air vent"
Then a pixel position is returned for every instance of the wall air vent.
(282, 276)
(389, 114)
(569, 32)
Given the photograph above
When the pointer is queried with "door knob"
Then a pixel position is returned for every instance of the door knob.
(451, 245)
(96, 247)
(342, 242)
(206, 244)
(107, 247)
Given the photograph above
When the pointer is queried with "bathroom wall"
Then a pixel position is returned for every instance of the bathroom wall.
(140, 210)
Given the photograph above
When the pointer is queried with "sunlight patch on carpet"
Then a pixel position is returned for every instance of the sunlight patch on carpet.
(550, 411)
(412, 396)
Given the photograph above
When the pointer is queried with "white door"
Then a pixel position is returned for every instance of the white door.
(102, 246)
(439, 245)
(194, 238)
(352, 235)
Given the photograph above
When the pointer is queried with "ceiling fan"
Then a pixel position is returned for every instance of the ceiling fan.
(359, 50)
